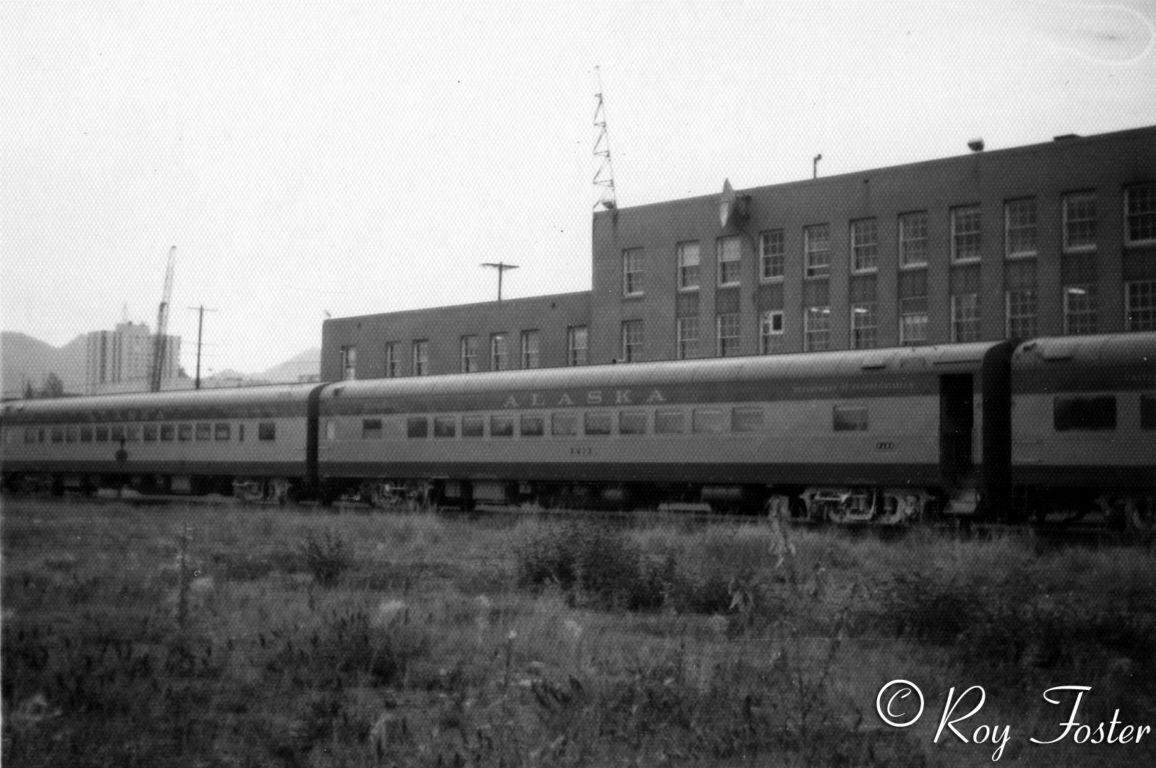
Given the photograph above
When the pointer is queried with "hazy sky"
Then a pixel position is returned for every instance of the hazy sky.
(357, 157)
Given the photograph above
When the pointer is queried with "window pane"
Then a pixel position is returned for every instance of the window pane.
(729, 251)
(1148, 412)
(445, 426)
(473, 426)
(669, 422)
(86, 434)
(688, 263)
(913, 239)
(221, 432)
(966, 233)
(771, 254)
(184, 432)
(267, 430)
(533, 425)
(849, 418)
(597, 423)
(747, 420)
(817, 250)
(417, 426)
(708, 421)
(632, 272)
(564, 424)
(204, 431)
(1080, 221)
(864, 244)
(1020, 227)
(371, 429)
(632, 423)
(1084, 413)
(168, 432)
(132, 433)
(501, 426)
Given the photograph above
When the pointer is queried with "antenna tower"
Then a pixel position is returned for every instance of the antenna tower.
(604, 176)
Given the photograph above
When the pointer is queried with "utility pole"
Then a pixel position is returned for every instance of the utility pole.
(501, 267)
(200, 325)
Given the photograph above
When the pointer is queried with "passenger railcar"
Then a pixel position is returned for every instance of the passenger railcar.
(1084, 427)
(878, 434)
(254, 441)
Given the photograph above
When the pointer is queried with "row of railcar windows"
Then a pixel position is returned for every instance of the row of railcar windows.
(149, 433)
(708, 421)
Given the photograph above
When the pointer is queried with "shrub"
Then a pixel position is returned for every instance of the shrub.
(327, 557)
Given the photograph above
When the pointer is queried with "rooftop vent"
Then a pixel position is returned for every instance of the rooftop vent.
(975, 145)
(1066, 137)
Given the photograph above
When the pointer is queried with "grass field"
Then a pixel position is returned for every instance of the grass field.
(213, 637)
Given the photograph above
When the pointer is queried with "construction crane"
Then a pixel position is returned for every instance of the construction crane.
(158, 369)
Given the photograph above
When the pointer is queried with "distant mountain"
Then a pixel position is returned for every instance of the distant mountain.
(24, 359)
(303, 364)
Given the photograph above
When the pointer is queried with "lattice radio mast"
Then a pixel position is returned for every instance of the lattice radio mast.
(604, 176)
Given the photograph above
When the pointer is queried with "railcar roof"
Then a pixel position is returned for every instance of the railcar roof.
(947, 358)
(220, 397)
(1127, 349)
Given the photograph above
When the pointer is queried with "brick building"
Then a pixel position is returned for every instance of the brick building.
(1048, 239)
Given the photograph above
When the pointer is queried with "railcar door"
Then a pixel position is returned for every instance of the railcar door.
(955, 425)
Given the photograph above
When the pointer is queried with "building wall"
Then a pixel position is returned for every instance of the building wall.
(444, 328)
(1106, 164)
(120, 360)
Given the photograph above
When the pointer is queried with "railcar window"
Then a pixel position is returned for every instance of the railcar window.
(133, 433)
(222, 431)
(501, 426)
(150, 433)
(563, 424)
(533, 425)
(168, 432)
(445, 426)
(86, 434)
(241, 433)
(267, 430)
(849, 418)
(117, 433)
(330, 430)
(597, 423)
(747, 420)
(72, 434)
(204, 431)
(1071, 414)
(1148, 411)
(30, 434)
(632, 422)
(58, 434)
(417, 426)
(707, 421)
(184, 432)
(670, 422)
(371, 429)
(473, 426)
(41, 435)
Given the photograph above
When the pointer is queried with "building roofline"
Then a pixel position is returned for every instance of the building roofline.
(492, 303)
(1065, 141)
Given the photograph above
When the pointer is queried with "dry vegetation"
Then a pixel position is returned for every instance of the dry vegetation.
(184, 636)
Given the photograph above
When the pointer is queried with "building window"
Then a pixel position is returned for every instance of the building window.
(688, 261)
(913, 239)
(729, 251)
(632, 272)
(864, 245)
(1140, 215)
(1080, 309)
(816, 329)
(421, 358)
(1140, 306)
(1019, 219)
(966, 234)
(771, 332)
(469, 354)
(392, 361)
(965, 317)
(1080, 221)
(1021, 313)
(349, 363)
(817, 250)
(727, 327)
(530, 354)
(864, 325)
(499, 352)
(913, 321)
(686, 336)
(576, 345)
(632, 341)
(772, 252)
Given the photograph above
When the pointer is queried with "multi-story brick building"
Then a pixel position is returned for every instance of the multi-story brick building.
(1048, 239)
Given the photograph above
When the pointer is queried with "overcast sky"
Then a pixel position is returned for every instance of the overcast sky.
(359, 157)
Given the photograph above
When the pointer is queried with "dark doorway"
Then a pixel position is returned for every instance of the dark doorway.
(956, 400)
